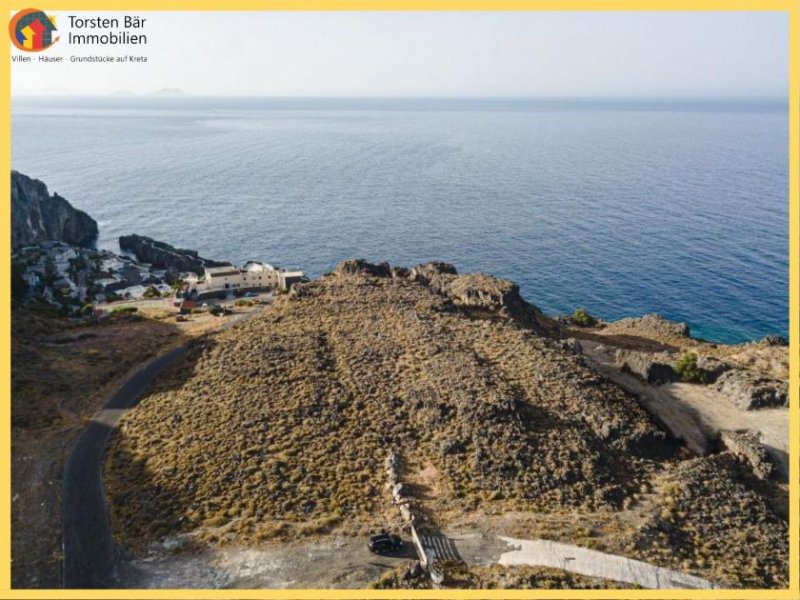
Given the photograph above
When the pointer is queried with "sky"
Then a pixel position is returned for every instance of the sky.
(528, 54)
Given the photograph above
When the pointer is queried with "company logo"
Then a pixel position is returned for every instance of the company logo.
(32, 30)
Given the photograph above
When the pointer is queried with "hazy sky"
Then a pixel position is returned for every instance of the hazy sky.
(401, 54)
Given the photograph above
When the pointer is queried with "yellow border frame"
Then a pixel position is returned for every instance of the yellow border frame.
(792, 7)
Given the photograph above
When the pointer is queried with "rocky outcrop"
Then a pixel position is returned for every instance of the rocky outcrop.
(749, 390)
(476, 292)
(37, 217)
(427, 272)
(646, 366)
(653, 325)
(747, 444)
(481, 292)
(712, 368)
(359, 266)
(164, 256)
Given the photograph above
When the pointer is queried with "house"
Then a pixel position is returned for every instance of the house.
(286, 279)
(252, 276)
(224, 278)
(260, 275)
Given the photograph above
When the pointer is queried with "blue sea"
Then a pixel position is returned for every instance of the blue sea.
(622, 207)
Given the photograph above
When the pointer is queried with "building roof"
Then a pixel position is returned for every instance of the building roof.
(256, 267)
(222, 271)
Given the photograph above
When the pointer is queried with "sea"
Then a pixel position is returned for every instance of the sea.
(622, 207)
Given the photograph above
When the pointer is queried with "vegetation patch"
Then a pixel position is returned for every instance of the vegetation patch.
(686, 366)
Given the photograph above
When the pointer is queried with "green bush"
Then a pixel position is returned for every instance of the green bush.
(86, 310)
(687, 368)
(244, 302)
(125, 309)
(582, 319)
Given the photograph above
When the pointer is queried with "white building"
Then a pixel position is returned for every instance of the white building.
(253, 275)
(223, 278)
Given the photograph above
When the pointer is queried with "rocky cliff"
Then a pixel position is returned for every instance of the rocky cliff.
(164, 256)
(36, 216)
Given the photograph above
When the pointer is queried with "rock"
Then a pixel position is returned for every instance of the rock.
(359, 266)
(712, 367)
(645, 366)
(37, 217)
(428, 271)
(748, 444)
(774, 340)
(482, 292)
(413, 571)
(749, 390)
(654, 325)
(399, 272)
(571, 345)
(164, 256)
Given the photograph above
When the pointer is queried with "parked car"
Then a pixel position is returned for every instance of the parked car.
(385, 543)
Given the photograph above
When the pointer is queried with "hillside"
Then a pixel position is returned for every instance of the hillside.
(279, 428)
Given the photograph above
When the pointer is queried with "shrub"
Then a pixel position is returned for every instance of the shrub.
(687, 368)
(151, 292)
(126, 309)
(86, 310)
(244, 302)
(582, 319)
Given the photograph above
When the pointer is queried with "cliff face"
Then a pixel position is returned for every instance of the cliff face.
(36, 216)
(164, 256)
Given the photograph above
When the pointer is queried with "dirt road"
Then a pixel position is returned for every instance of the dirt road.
(696, 413)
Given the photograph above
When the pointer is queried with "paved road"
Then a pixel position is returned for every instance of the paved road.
(88, 546)
(544, 553)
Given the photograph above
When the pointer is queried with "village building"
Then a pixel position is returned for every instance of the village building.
(252, 276)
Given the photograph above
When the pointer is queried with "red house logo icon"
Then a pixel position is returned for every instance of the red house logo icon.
(32, 30)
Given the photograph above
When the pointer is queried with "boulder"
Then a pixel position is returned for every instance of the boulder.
(749, 390)
(747, 444)
(646, 366)
(712, 367)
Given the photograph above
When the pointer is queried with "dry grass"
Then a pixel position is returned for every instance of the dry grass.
(498, 577)
(712, 517)
(279, 427)
(289, 417)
